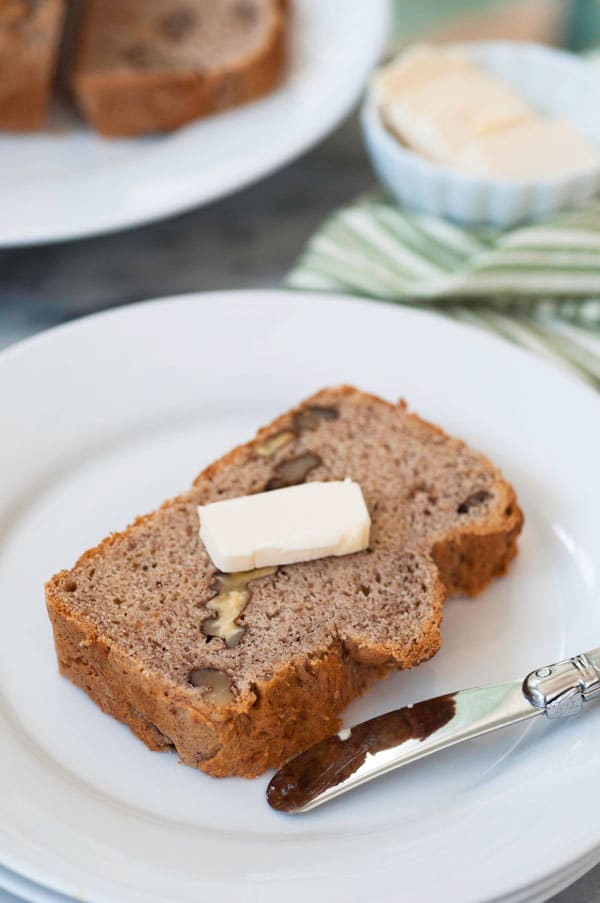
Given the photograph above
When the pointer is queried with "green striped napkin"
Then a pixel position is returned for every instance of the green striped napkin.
(537, 285)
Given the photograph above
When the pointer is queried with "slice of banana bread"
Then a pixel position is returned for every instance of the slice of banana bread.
(30, 32)
(239, 672)
(152, 65)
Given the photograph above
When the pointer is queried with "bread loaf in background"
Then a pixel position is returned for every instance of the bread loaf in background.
(147, 66)
(30, 34)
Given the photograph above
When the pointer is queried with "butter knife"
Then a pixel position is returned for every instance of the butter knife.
(367, 750)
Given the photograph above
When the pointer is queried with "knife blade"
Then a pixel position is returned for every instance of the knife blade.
(370, 749)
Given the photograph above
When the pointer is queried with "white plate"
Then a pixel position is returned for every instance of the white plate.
(105, 417)
(14, 887)
(70, 183)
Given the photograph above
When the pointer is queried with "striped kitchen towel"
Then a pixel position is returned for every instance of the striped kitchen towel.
(537, 285)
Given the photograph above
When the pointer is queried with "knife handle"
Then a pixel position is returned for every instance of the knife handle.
(593, 656)
(562, 688)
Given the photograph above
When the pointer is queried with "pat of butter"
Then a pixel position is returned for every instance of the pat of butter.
(436, 100)
(416, 66)
(535, 149)
(299, 523)
(438, 118)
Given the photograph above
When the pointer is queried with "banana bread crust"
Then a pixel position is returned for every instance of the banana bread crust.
(299, 702)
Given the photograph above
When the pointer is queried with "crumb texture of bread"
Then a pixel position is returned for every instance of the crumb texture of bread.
(128, 618)
(152, 65)
(30, 33)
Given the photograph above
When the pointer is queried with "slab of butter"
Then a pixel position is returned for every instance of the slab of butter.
(436, 101)
(536, 149)
(416, 66)
(299, 523)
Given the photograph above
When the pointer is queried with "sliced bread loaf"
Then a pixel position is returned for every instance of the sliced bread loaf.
(30, 32)
(240, 672)
(152, 65)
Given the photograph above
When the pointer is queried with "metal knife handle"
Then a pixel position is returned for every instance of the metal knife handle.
(562, 688)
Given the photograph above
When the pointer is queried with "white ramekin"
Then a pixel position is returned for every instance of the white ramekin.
(554, 81)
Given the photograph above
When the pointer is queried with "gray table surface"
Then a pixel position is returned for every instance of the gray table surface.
(249, 240)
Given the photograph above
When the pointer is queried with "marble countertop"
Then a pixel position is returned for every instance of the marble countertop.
(249, 240)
